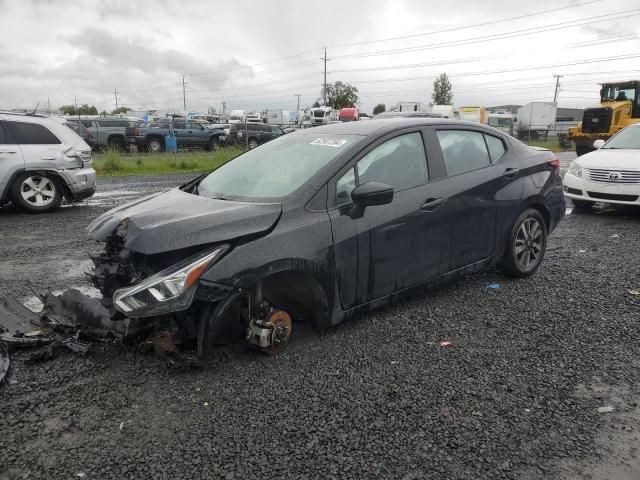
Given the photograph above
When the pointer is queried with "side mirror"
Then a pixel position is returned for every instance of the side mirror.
(372, 193)
(598, 144)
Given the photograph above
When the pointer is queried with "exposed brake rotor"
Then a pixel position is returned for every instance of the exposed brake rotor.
(281, 333)
(271, 334)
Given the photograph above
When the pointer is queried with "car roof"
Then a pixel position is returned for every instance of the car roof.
(381, 126)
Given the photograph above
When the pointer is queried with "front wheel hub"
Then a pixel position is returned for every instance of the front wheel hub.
(272, 334)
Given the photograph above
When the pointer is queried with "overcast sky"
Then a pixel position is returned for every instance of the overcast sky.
(259, 54)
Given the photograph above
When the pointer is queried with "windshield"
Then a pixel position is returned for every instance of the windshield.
(275, 169)
(629, 138)
(617, 92)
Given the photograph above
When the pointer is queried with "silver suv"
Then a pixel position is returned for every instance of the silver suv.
(42, 161)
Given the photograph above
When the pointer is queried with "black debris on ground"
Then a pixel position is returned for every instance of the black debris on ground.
(515, 395)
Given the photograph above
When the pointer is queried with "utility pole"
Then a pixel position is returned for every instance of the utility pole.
(184, 96)
(75, 102)
(298, 107)
(115, 93)
(324, 88)
(555, 94)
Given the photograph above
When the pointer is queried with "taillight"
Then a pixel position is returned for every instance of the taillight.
(555, 163)
(135, 132)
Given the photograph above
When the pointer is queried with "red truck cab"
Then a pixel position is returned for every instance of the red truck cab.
(350, 114)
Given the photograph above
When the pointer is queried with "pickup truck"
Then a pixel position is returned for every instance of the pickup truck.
(189, 134)
(106, 132)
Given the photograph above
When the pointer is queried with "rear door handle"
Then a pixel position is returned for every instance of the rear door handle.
(510, 172)
(431, 204)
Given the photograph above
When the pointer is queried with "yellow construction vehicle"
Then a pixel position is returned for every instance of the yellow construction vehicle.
(619, 107)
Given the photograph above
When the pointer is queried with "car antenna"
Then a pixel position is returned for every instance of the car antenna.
(35, 109)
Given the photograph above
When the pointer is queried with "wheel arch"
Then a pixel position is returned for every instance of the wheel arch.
(55, 176)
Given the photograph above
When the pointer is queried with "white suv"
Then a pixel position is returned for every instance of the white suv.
(42, 161)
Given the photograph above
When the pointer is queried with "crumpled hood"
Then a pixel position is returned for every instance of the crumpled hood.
(175, 219)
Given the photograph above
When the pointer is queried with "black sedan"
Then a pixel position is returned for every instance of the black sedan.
(324, 223)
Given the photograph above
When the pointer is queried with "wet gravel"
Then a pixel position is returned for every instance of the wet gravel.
(515, 395)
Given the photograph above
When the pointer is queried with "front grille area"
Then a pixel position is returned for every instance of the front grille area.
(614, 176)
(596, 120)
(318, 114)
(573, 191)
(612, 196)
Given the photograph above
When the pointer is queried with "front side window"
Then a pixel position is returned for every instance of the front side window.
(32, 134)
(195, 126)
(400, 162)
(463, 150)
(276, 130)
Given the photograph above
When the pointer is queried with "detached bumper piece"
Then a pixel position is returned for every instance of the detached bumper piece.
(70, 321)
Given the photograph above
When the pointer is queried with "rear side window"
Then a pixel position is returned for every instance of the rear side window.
(463, 150)
(496, 147)
(32, 134)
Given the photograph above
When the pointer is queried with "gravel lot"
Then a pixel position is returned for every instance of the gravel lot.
(515, 395)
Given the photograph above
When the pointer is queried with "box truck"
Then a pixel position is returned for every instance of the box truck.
(412, 107)
(474, 114)
(535, 119)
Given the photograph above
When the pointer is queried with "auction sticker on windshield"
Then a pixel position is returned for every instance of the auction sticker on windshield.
(329, 142)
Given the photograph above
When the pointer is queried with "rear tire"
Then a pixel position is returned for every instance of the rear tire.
(253, 143)
(526, 246)
(36, 193)
(155, 145)
(212, 146)
(116, 143)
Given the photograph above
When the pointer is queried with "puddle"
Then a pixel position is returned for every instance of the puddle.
(115, 193)
(34, 304)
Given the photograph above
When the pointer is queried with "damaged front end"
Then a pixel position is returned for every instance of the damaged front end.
(158, 293)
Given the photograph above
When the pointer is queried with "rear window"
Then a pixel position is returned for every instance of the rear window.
(31, 134)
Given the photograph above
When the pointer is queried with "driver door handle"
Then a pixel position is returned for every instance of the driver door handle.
(510, 172)
(431, 204)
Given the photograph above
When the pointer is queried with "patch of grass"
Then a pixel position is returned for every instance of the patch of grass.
(115, 164)
(112, 162)
(552, 144)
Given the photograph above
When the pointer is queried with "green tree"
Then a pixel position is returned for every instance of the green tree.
(341, 95)
(69, 110)
(316, 104)
(442, 94)
(381, 107)
(120, 110)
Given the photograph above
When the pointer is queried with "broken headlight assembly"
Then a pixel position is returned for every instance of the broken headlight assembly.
(170, 290)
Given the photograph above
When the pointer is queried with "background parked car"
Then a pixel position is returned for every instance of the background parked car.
(609, 174)
(150, 137)
(107, 132)
(256, 133)
(83, 132)
(41, 162)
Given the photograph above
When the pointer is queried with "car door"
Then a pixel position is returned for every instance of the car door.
(476, 188)
(276, 131)
(11, 159)
(196, 133)
(389, 247)
(180, 131)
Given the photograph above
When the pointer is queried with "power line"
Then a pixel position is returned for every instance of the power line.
(498, 36)
(483, 24)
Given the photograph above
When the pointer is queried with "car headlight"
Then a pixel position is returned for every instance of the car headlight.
(575, 169)
(170, 290)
